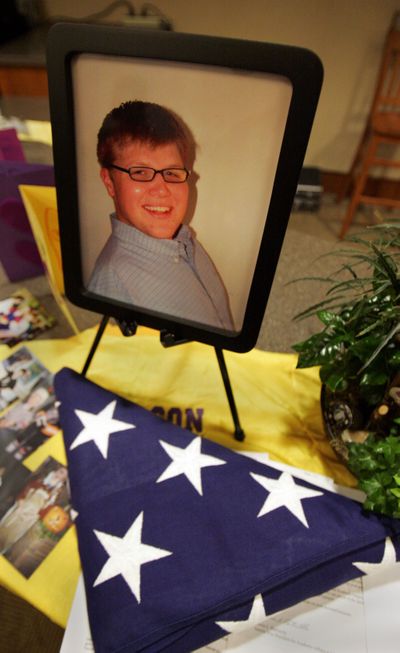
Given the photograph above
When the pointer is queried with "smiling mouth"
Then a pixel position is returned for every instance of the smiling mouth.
(159, 210)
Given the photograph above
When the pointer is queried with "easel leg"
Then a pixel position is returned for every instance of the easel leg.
(99, 333)
(239, 433)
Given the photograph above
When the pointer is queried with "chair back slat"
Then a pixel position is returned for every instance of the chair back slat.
(387, 96)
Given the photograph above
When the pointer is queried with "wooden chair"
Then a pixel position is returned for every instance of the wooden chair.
(383, 129)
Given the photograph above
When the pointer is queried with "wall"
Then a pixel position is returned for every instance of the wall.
(347, 36)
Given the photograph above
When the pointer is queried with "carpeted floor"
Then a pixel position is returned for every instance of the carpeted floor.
(23, 629)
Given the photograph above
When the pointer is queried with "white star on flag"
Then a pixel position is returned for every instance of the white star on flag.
(188, 461)
(256, 616)
(73, 514)
(388, 560)
(126, 556)
(285, 492)
(98, 427)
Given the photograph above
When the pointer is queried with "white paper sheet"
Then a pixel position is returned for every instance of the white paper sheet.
(382, 610)
(77, 637)
(331, 623)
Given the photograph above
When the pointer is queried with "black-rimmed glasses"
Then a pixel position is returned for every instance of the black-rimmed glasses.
(141, 173)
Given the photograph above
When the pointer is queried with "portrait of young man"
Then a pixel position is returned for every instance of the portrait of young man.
(152, 259)
(224, 128)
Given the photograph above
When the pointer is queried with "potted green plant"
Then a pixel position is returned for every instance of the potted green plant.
(358, 352)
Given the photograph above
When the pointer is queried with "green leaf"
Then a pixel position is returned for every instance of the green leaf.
(382, 344)
(376, 464)
(328, 318)
(372, 487)
(386, 266)
(360, 459)
(363, 348)
(332, 351)
(394, 358)
(374, 378)
(320, 348)
(335, 381)
(313, 310)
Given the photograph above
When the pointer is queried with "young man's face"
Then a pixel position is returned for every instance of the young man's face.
(155, 207)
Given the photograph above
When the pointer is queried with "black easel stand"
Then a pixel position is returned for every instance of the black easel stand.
(167, 340)
(238, 433)
(97, 338)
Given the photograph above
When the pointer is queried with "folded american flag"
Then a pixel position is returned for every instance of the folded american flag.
(183, 541)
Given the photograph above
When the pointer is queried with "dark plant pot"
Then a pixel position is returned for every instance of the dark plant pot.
(345, 419)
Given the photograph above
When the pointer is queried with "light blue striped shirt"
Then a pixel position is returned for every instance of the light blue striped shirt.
(175, 277)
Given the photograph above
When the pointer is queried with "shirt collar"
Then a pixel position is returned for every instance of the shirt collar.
(181, 245)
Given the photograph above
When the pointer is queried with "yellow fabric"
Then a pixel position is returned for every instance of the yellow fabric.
(40, 203)
(277, 404)
(41, 206)
(38, 131)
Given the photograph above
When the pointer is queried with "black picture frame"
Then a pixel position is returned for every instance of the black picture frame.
(74, 50)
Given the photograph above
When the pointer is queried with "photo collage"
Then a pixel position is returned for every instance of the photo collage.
(35, 509)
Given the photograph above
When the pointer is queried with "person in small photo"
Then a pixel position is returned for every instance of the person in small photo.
(23, 413)
(34, 497)
(152, 258)
(13, 475)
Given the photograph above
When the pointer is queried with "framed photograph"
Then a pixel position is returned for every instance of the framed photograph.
(176, 161)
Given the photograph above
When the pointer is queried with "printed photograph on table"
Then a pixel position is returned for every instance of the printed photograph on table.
(38, 518)
(19, 373)
(29, 423)
(22, 317)
(173, 207)
(13, 475)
